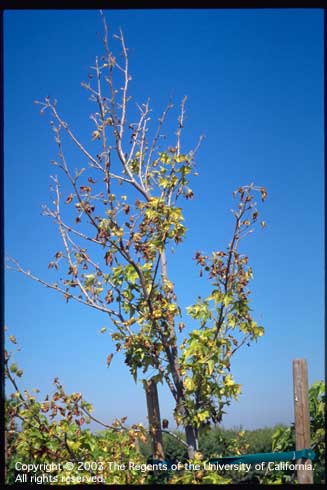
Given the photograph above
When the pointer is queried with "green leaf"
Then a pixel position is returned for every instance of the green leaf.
(131, 274)
(13, 368)
(216, 295)
(89, 280)
(227, 299)
(211, 366)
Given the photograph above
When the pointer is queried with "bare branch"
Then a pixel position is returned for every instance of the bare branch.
(180, 125)
(125, 87)
(54, 286)
(156, 137)
(64, 239)
(72, 136)
(198, 145)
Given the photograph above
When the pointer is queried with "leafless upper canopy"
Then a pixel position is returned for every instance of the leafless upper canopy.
(125, 155)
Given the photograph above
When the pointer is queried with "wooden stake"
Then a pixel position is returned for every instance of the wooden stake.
(302, 417)
(154, 418)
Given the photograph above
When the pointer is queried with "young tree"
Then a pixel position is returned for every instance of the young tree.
(117, 220)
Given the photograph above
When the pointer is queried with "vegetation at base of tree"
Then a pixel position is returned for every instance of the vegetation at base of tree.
(216, 441)
(53, 429)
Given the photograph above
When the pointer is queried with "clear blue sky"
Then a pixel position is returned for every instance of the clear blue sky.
(254, 79)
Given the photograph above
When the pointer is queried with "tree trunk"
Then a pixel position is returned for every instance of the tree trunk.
(154, 418)
(191, 435)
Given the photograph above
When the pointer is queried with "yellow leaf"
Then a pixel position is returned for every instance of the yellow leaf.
(229, 381)
(188, 383)
(95, 135)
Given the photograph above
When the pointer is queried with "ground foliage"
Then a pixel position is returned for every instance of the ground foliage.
(54, 429)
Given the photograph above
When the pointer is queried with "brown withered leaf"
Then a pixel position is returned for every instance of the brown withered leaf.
(73, 270)
(109, 297)
(263, 193)
(91, 180)
(69, 199)
(52, 264)
(109, 359)
(108, 258)
(85, 188)
(89, 209)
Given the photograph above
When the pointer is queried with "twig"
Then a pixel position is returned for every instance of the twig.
(180, 125)
(156, 137)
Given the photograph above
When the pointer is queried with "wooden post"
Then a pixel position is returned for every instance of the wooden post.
(154, 418)
(302, 417)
